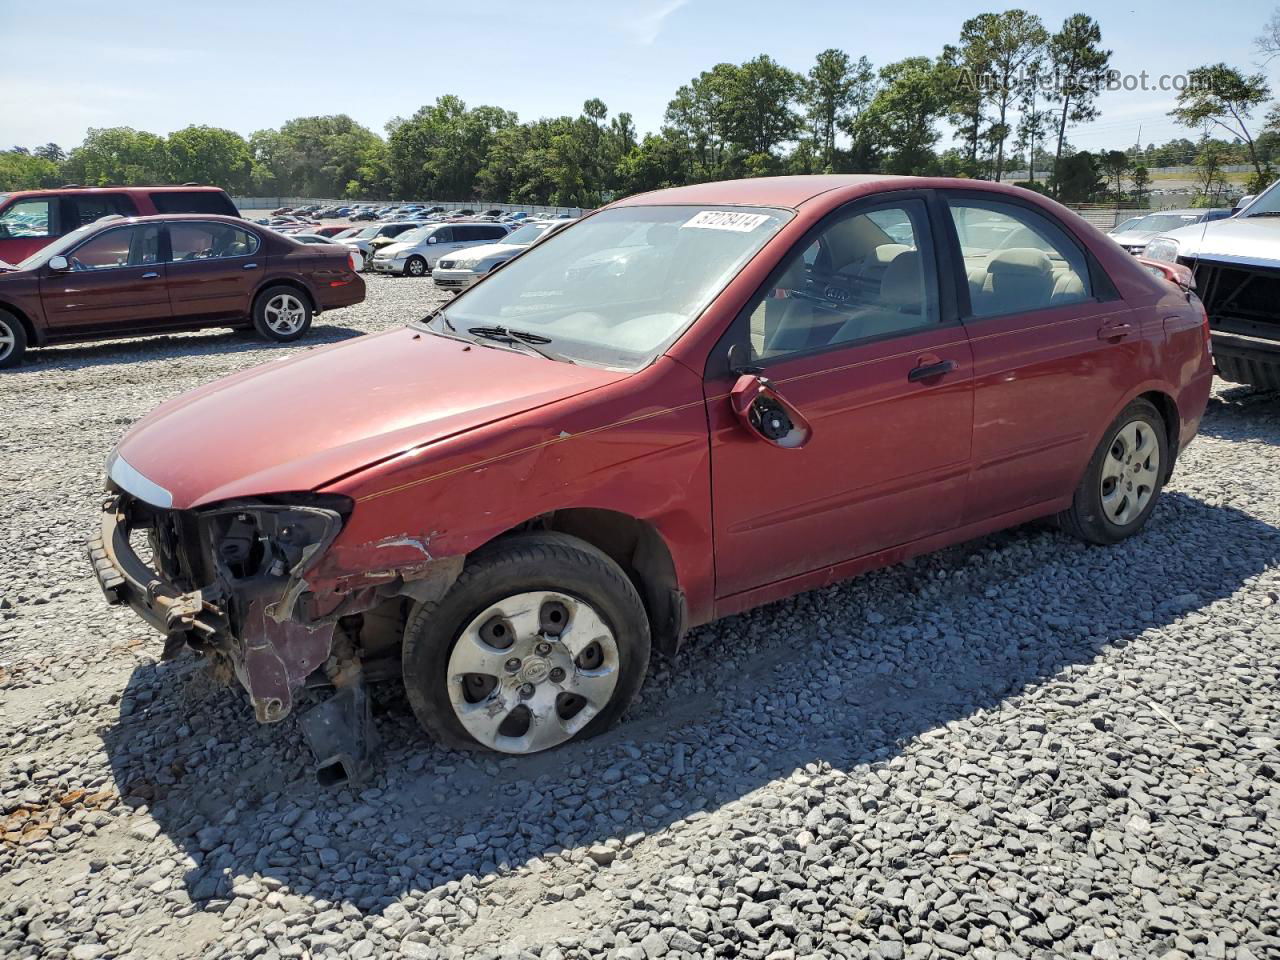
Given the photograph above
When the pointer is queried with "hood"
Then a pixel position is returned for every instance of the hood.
(301, 423)
(1244, 239)
(485, 251)
(392, 248)
(1132, 238)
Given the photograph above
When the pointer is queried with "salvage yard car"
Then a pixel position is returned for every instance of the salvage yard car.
(456, 272)
(1236, 264)
(122, 277)
(415, 254)
(764, 386)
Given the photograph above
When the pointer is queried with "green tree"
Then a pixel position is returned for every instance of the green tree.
(1079, 64)
(759, 107)
(1076, 178)
(835, 92)
(439, 151)
(965, 70)
(1221, 96)
(50, 151)
(1016, 41)
(209, 155)
(1141, 185)
(118, 155)
(24, 171)
(1115, 164)
(1210, 181)
(905, 112)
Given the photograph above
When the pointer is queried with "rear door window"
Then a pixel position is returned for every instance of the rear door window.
(80, 209)
(192, 240)
(194, 201)
(445, 234)
(30, 218)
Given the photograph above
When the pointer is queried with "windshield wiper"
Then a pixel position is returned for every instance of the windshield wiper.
(1262, 213)
(521, 338)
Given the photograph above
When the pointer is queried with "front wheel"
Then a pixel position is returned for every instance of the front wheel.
(415, 267)
(1123, 479)
(541, 640)
(13, 340)
(282, 314)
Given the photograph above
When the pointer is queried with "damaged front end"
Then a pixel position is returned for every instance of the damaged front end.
(235, 582)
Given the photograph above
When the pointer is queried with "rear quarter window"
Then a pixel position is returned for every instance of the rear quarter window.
(194, 201)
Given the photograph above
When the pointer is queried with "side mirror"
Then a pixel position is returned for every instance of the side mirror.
(1243, 202)
(763, 411)
(59, 263)
(432, 240)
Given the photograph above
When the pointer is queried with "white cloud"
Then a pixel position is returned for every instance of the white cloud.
(645, 27)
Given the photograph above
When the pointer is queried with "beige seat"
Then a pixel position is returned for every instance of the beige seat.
(900, 306)
(1020, 280)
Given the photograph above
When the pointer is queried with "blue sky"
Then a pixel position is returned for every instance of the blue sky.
(246, 66)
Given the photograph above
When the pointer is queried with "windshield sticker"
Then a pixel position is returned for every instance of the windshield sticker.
(724, 220)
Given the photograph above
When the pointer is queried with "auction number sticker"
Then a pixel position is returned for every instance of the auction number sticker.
(726, 220)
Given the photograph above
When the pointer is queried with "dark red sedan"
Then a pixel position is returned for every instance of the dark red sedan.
(120, 277)
(689, 403)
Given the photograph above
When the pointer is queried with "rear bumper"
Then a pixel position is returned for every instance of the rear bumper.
(1243, 359)
(345, 294)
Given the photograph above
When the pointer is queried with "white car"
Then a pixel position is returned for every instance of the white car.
(415, 253)
(357, 258)
(367, 235)
(460, 271)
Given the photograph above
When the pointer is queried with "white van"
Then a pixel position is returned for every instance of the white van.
(415, 253)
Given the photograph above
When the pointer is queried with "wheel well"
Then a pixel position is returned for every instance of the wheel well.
(27, 326)
(1169, 413)
(300, 287)
(638, 548)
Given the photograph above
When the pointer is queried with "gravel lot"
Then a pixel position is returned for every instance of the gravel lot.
(1018, 747)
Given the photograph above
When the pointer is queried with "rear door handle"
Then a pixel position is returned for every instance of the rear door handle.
(150, 276)
(928, 371)
(1115, 331)
(250, 266)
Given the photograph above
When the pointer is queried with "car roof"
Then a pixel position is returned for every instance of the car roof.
(70, 188)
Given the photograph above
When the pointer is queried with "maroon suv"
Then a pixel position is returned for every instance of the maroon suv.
(143, 275)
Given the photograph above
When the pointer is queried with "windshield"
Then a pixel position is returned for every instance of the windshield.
(1127, 225)
(416, 235)
(367, 233)
(1266, 204)
(61, 245)
(525, 235)
(351, 232)
(1159, 223)
(619, 287)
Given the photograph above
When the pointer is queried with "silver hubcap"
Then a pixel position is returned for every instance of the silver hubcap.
(285, 314)
(1129, 472)
(7, 340)
(531, 671)
(417, 268)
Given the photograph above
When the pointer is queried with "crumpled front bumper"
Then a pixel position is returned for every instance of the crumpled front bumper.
(126, 578)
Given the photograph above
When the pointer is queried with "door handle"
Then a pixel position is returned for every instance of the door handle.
(1117, 330)
(250, 266)
(929, 368)
(150, 276)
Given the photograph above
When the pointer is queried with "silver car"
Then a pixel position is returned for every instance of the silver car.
(460, 271)
(417, 251)
(1134, 234)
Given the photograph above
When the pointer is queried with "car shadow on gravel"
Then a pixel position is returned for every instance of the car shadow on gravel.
(176, 346)
(1243, 413)
(840, 678)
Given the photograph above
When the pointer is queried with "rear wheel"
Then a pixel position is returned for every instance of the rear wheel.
(1123, 479)
(13, 340)
(415, 267)
(282, 314)
(541, 640)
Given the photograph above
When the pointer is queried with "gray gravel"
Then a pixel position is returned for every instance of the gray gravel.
(1021, 747)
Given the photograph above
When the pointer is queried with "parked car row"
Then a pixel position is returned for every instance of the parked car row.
(1133, 234)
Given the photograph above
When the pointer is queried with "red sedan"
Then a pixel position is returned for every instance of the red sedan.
(689, 403)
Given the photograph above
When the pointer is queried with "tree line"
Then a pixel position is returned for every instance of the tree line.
(1009, 89)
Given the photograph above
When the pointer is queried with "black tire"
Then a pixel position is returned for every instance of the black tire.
(513, 565)
(277, 298)
(13, 340)
(415, 267)
(1087, 519)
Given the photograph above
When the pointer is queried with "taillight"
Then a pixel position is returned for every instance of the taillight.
(351, 262)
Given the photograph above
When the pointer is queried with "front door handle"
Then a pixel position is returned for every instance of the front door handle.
(930, 368)
(250, 266)
(1116, 330)
(150, 276)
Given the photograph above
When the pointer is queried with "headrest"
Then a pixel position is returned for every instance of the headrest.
(887, 252)
(1020, 261)
(903, 282)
